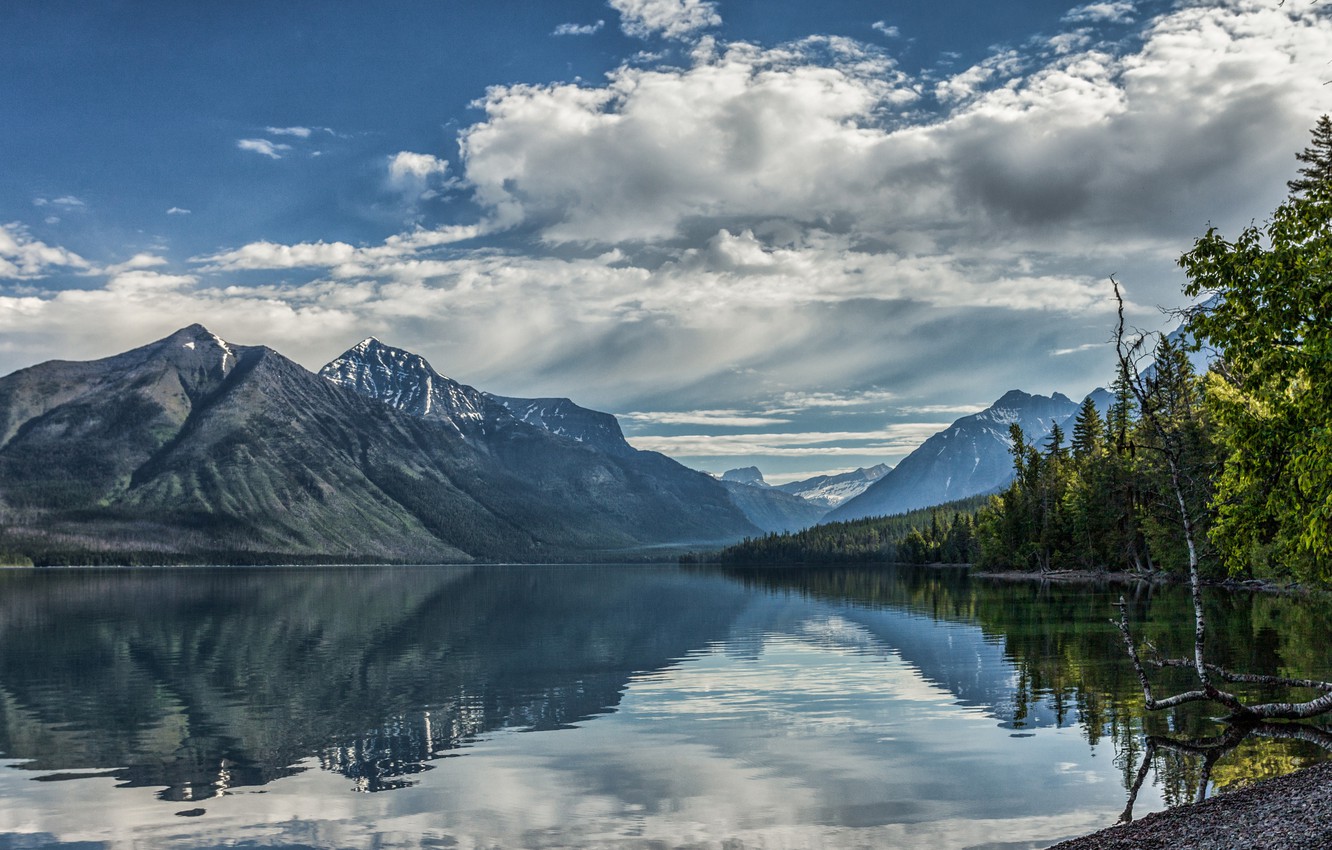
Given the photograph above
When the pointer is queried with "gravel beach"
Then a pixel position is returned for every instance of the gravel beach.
(1292, 812)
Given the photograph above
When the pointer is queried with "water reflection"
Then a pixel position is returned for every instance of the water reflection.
(834, 707)
(200, 682)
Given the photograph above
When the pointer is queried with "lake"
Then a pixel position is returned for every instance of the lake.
(604, 706)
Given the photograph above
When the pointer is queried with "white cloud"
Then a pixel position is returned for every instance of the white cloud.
(579, 29)
(25, 258)
(177, 211)
(272, 150)
(1090, 346)
(667, 18)
(886, 29)
(1118, 12)
(1042, 154)
(714, 418)
(797, 401)
(892, 440)
(418, 175)
(298, 132)
(138, 262)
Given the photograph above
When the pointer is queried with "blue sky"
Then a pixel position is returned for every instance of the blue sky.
(798, 235)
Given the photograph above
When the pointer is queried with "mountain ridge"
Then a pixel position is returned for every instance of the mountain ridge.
(969, 457)
(193, 448)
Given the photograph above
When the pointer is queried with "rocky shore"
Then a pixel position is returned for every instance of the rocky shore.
(1292, 812)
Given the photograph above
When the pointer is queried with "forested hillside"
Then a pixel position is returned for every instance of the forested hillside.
(1236, 463)
(945, 534)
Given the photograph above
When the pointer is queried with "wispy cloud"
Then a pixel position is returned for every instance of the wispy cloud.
(885, 28)
(177, 211)
(893, 440)
(65, 202)
(579, 29)
(1114, 12)
(666, 18)
(802, 401)
(1089, 346)
(264, 147)
(718, 418)
(298, 132)
(941, 409)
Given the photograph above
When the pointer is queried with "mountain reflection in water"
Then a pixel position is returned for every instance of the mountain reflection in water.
(866, 693)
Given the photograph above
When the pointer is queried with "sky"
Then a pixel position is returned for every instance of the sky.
(792, 235)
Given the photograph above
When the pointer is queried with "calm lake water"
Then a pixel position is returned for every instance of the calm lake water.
(615, 706)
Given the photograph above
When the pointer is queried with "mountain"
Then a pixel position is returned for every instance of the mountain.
(970, 456)
(543, 440)
(771, 509)
(405, 381)
(832, 490)
(561, 416)
(192, 448)
(745, 475)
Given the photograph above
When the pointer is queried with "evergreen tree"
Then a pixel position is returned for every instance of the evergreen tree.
(1316, 174)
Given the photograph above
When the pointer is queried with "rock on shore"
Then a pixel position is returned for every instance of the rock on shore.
(1292, 812)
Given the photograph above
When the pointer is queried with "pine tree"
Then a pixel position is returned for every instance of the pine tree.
(1317, 172)
(1088, 431)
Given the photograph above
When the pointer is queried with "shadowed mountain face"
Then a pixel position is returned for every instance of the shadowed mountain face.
(969, 457)
(194, 449)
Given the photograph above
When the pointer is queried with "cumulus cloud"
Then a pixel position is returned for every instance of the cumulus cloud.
(667, 18)
(1045, 152)
(579, 29)
(264, 147)
(138, 262)
(25, 258)
(886, 29)
(418, 175)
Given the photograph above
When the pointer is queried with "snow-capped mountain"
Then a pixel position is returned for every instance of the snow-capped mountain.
(561, 416)
(507, 428)
(970, 456)
(407, 382)
(832, 490)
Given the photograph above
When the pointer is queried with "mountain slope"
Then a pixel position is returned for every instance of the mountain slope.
(564, 453)
(971, 456)
(772, 510)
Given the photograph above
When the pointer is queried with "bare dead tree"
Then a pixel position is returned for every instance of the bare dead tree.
(1131, 352)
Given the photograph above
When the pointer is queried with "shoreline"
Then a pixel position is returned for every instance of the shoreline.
(1291, 812)
(1154, 579)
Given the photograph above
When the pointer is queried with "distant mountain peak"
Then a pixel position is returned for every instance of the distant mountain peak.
(745, 475)
(832, 490)
(969, 457)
